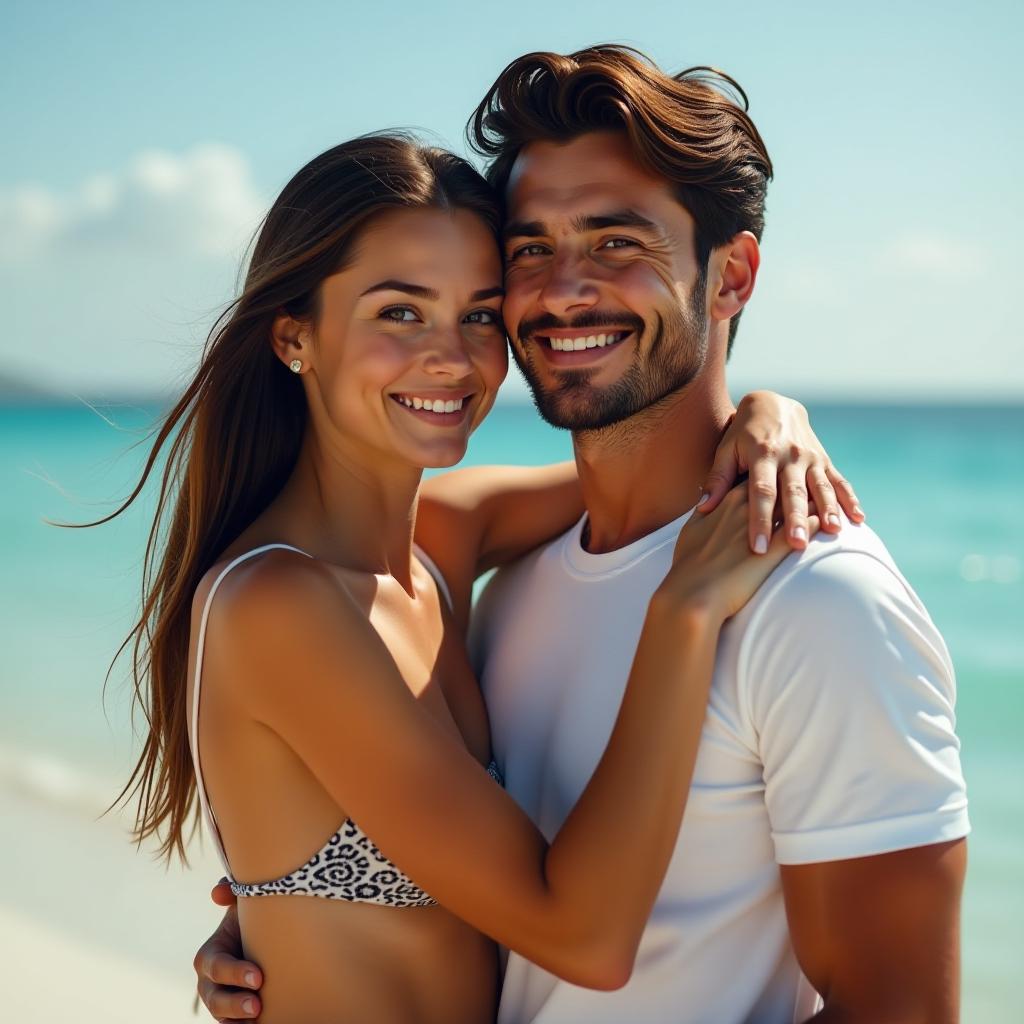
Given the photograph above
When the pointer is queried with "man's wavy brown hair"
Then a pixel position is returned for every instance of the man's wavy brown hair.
(690, 129)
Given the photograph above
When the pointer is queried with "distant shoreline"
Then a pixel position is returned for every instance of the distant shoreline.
(42, 402)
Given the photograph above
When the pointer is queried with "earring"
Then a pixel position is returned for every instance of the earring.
(295, 365)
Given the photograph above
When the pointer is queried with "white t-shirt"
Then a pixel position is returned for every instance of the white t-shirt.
(829, 734)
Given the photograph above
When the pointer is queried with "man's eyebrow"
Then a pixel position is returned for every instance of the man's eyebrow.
(616, 219)
(524, 229)
(403, 286)
(585, 222)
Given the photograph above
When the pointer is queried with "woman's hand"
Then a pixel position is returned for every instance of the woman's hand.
(713, 572)
(770, 438)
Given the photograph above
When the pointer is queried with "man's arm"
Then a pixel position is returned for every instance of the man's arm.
(851, 699)
(879, 937)
(471, 520)
(227, 984)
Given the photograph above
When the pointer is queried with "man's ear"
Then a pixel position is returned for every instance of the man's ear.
(291, 341)
(737, 264)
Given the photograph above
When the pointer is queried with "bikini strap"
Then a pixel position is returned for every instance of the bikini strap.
(204, 801)
(431, 566)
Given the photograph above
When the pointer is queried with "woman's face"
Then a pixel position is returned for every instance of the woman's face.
(410, 348)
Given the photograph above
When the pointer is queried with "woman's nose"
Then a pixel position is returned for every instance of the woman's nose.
(448, 354)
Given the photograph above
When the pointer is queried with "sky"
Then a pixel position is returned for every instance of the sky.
(142, 142)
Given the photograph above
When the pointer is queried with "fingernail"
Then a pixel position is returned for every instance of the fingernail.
(760, 544)
(833, 519)
(798, 533)
(250, 979)
(704, 499)
(249, 1006)
(857, 510)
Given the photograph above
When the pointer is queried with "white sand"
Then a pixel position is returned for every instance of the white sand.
(50, 977)
(92, 931)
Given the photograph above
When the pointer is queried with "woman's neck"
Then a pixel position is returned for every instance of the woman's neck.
(352, 508)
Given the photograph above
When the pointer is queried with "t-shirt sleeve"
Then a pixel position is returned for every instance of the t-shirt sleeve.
(851, 695)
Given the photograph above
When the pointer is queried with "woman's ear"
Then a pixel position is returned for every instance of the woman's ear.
(290, 339)
(738, 263)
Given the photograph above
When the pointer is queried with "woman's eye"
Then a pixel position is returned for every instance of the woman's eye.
(399, 315)
(487, 317)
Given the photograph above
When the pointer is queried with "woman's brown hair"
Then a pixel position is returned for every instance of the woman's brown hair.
(684, 128)
(233, 437)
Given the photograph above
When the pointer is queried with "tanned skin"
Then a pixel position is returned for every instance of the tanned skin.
(337, 686)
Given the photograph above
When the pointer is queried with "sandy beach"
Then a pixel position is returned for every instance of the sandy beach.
(92, 930)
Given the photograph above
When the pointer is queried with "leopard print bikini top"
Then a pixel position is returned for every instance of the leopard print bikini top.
(348, 866)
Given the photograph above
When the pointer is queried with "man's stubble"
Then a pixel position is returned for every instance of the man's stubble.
(675, 357)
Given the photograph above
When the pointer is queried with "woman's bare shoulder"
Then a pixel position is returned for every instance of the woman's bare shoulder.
(278, 609)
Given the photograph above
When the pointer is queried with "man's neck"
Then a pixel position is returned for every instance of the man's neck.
(648, 470)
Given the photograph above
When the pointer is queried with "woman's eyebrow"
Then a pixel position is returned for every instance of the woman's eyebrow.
(432, 294)
(403, 286)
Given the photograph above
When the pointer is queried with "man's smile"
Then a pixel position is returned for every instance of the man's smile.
(580, 346)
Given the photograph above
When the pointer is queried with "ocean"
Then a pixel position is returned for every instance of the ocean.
(942, 485)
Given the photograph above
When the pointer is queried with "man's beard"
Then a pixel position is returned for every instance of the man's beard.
(675, 357)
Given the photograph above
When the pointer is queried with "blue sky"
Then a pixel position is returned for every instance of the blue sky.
(142, 142)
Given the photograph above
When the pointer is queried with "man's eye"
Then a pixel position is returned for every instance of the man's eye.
(399, 314)
(617, 243)
(533, 249)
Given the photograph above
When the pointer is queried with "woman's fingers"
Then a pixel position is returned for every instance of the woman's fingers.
(845, 493)
(794, 505)
(825, 501)
(762, 491)
(720, 479)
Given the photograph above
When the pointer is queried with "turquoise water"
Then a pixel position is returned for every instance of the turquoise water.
(944, 487)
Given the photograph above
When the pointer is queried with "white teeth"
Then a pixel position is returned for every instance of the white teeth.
(432, 404)
(579, 344)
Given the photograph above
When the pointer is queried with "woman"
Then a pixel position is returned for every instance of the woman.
(327, 681)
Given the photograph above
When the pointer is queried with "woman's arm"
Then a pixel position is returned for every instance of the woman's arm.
(577, 906)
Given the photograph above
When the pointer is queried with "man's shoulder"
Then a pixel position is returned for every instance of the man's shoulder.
(503, 588)
(838, 616)
(835, 571)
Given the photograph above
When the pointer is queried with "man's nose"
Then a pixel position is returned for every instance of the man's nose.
(568, 288)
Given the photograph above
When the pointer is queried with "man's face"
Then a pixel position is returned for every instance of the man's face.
(605, 302)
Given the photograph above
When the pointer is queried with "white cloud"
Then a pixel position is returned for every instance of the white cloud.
(202, 202)
(934, 256)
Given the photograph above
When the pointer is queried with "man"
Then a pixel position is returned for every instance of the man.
(822, 850)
